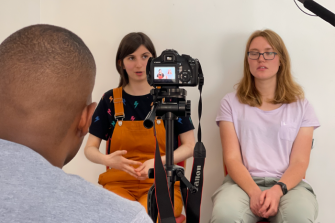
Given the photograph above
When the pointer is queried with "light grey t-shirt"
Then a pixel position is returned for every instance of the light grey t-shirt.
(33, 190)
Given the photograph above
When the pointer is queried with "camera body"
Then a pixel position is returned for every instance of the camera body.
(171, 69)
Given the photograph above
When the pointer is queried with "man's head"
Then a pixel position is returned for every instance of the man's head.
(47, 76)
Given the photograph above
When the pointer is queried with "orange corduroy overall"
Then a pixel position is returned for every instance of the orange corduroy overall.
(140, 145)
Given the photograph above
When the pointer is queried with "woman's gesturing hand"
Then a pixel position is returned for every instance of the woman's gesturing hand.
(143, 169)
(117, 161)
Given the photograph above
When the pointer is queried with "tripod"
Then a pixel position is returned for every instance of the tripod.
(170, 111)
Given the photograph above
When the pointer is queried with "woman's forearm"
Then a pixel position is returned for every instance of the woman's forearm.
(294, 174)
(182, 153)
(91, 149)
(239, 173)
(93, 154)
(299, 158)
(185, 150)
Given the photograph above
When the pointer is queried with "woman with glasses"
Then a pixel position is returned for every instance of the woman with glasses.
(266, 130)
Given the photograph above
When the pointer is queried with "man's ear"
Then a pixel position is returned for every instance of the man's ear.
(86, 119)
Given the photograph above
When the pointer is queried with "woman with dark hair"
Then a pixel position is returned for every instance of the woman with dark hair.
(118, 119)
(266, 130)
(160, 74)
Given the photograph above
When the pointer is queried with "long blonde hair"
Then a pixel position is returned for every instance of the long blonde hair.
(287, 90)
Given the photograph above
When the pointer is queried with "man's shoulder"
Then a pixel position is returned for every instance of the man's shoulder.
(43, 192)
(96, 200)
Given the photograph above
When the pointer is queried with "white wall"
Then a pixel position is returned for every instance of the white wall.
(15, 14)
(215, 32)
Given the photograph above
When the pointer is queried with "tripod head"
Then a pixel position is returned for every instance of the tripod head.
(168, 99)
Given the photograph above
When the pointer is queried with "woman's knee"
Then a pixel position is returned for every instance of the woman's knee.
(296, 217)
(302, 211)
(230, 204)
(221, 214)
(232, 212)
(299, 205)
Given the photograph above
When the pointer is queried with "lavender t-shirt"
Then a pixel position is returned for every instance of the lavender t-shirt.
(266, 137)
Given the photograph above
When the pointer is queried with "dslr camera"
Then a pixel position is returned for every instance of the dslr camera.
(171, 69)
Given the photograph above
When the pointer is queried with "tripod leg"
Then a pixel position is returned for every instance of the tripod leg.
(152, 206)
(183, 190)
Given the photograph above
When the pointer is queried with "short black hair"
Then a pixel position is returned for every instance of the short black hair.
(45, 68)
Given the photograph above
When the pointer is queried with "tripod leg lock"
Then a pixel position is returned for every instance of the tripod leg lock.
(184, 180)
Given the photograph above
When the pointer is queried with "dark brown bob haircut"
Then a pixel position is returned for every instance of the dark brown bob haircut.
(129, 44)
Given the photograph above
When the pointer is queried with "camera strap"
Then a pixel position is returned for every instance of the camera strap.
(191, 196)
(193, 200)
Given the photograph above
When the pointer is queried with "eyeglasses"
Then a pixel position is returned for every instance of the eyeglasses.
(267, 55)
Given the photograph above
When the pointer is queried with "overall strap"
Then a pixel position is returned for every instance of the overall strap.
(118, 105)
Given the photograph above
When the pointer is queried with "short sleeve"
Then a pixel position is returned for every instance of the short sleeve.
(309, 118)
(225, 111)
(183, 124)
(100, 122)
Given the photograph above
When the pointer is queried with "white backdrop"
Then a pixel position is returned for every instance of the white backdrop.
(215, 32)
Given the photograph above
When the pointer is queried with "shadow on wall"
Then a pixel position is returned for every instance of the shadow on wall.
(230, 67)
(222, 70)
